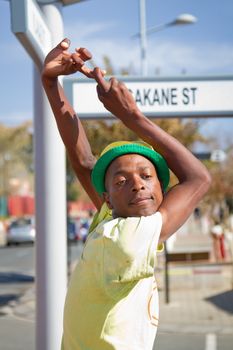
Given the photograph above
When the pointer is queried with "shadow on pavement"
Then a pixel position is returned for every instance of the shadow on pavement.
(7, 298)
(223, 301)
(13, 277)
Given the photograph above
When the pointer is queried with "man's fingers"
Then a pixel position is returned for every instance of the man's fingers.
(77, 59)
(98, 76)
(84, 53)
(86, 71)
(64, 44)
(67, 59)
(99, 92)
(113, 82)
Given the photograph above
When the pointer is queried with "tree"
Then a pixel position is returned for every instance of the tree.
(16, 154)
(101, 133)
(219, 199)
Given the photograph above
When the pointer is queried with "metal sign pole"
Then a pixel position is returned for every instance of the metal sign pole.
(38, 26)
(166, 274)
(143, 38)
(51, 261)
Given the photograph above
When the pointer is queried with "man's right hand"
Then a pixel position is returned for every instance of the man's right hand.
(116, 97)
(60, 61)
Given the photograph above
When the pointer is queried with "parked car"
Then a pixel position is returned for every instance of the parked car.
(2, 234)
(21, 230)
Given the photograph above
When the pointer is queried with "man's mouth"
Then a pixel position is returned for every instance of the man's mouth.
(140, 200)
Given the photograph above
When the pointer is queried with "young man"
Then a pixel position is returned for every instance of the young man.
(112, 300)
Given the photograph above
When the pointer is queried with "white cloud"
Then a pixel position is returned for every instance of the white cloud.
(80, 31)
(202, 58)
(169, 57)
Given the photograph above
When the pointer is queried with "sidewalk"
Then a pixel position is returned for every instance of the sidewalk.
(201, 292)
(201, 301)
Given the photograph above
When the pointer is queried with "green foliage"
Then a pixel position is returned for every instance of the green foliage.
(73, 191)
(16, 143)
(220, 194)
(101, 133)
(73, 187)
(16, 154)
(108, 65)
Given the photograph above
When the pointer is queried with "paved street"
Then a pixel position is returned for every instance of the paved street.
(199, 315)
(19, 334)
(16, 333)
(182, 341)
(17, 270)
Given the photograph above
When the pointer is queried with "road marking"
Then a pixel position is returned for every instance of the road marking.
(211, 342)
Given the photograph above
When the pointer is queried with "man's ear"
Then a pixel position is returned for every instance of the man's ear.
(107, 200)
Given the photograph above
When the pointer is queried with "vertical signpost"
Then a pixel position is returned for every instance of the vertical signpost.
(39, 28)
(51, 213)
(38, 25)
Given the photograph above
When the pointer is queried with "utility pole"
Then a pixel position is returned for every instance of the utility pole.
(39, 27)
(143, 37)
(51, 260)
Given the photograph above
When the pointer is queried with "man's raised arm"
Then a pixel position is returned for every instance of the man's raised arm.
(60, 62)
(194, 180)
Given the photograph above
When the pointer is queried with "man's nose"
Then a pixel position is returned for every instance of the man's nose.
(137, 184)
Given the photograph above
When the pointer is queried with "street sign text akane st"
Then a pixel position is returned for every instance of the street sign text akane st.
(157, 98)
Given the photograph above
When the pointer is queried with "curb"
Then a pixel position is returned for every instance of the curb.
(194, 329)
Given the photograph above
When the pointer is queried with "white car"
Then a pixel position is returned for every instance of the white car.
(21, 230)
(2, 235)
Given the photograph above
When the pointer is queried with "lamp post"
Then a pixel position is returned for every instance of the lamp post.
(180, 20)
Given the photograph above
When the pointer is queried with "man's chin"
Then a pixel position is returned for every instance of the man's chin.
(136, 212)
(144, 212)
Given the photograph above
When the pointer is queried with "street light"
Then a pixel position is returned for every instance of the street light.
(180, 20)
(185, 18)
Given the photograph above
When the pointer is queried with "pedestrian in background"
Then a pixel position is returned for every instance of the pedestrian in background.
(217, 235)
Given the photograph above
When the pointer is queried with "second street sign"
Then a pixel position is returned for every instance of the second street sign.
(160, 97)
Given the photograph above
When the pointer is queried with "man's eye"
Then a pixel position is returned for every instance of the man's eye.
(120, 182)
(146, 176)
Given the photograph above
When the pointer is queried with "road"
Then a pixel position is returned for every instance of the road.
(171, 341)
(24, 335)
(17, 273)
(17, 270)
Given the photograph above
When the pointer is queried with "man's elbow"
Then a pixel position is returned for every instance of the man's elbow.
(86, 163)
(81, 161)
(205, 181)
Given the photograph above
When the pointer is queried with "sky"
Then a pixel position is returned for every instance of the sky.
(106, 27)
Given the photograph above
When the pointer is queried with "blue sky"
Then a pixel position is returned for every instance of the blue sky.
(106, 27)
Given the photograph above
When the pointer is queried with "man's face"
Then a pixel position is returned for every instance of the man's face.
(133, 188)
